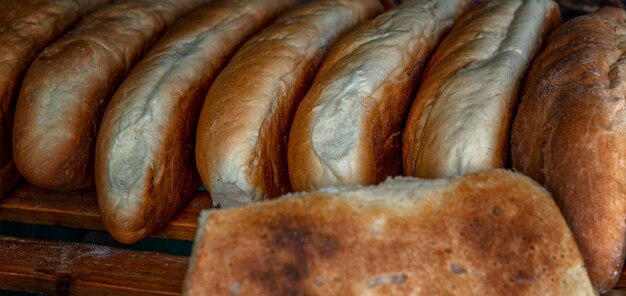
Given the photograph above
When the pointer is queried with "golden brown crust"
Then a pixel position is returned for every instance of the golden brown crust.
(347, 128)
(494, 233)
(26, 27)
(245, 121)
(569, 134)
(68, 86)
(145, 169)
(461, 117)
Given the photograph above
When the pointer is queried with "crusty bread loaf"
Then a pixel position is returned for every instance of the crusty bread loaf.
(145, 169)
(242, 136)
(493, 233)
(570, 134)
(26, 27)
(460, 120)
(347, 128)
(68, 86)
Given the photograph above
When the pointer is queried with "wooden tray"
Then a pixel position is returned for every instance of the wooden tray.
(30, 204)
(54, 268)
(64, 268)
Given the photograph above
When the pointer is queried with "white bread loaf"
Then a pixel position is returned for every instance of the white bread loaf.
(26, 28)
(460, 121)
(68, 86)
(144, 164)
(347, 130)
(242, 136)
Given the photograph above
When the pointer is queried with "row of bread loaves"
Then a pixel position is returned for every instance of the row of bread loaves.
(109, 105)
(146, 99)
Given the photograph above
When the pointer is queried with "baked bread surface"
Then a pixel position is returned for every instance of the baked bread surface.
(493, 233)
(244, 127)
(145, 166)
(68, 86)
(347, 130)
(26, 27)
(461, 118)
(570, 134)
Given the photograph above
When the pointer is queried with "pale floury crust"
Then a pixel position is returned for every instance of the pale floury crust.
(145, 166)
(460, 120)
(26, 27)
(68, 86)
(242, 136)
(570, 134)
(494, 233)
(348, 128)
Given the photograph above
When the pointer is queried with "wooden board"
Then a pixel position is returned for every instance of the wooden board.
(30, 204)
(62, 268)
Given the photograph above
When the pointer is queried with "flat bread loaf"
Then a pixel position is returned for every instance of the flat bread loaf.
(493, 233)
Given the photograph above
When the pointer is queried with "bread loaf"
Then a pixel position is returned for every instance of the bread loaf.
(347, 129)
(68, 86)
(570, 134)
(460, 120)
(493, 233)
(242, 136)
(26, 27)
(145, 169)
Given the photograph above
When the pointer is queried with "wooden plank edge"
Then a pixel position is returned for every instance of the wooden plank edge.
(52, 267)
(33, 205)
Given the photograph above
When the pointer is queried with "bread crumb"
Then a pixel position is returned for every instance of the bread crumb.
(387, 279)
